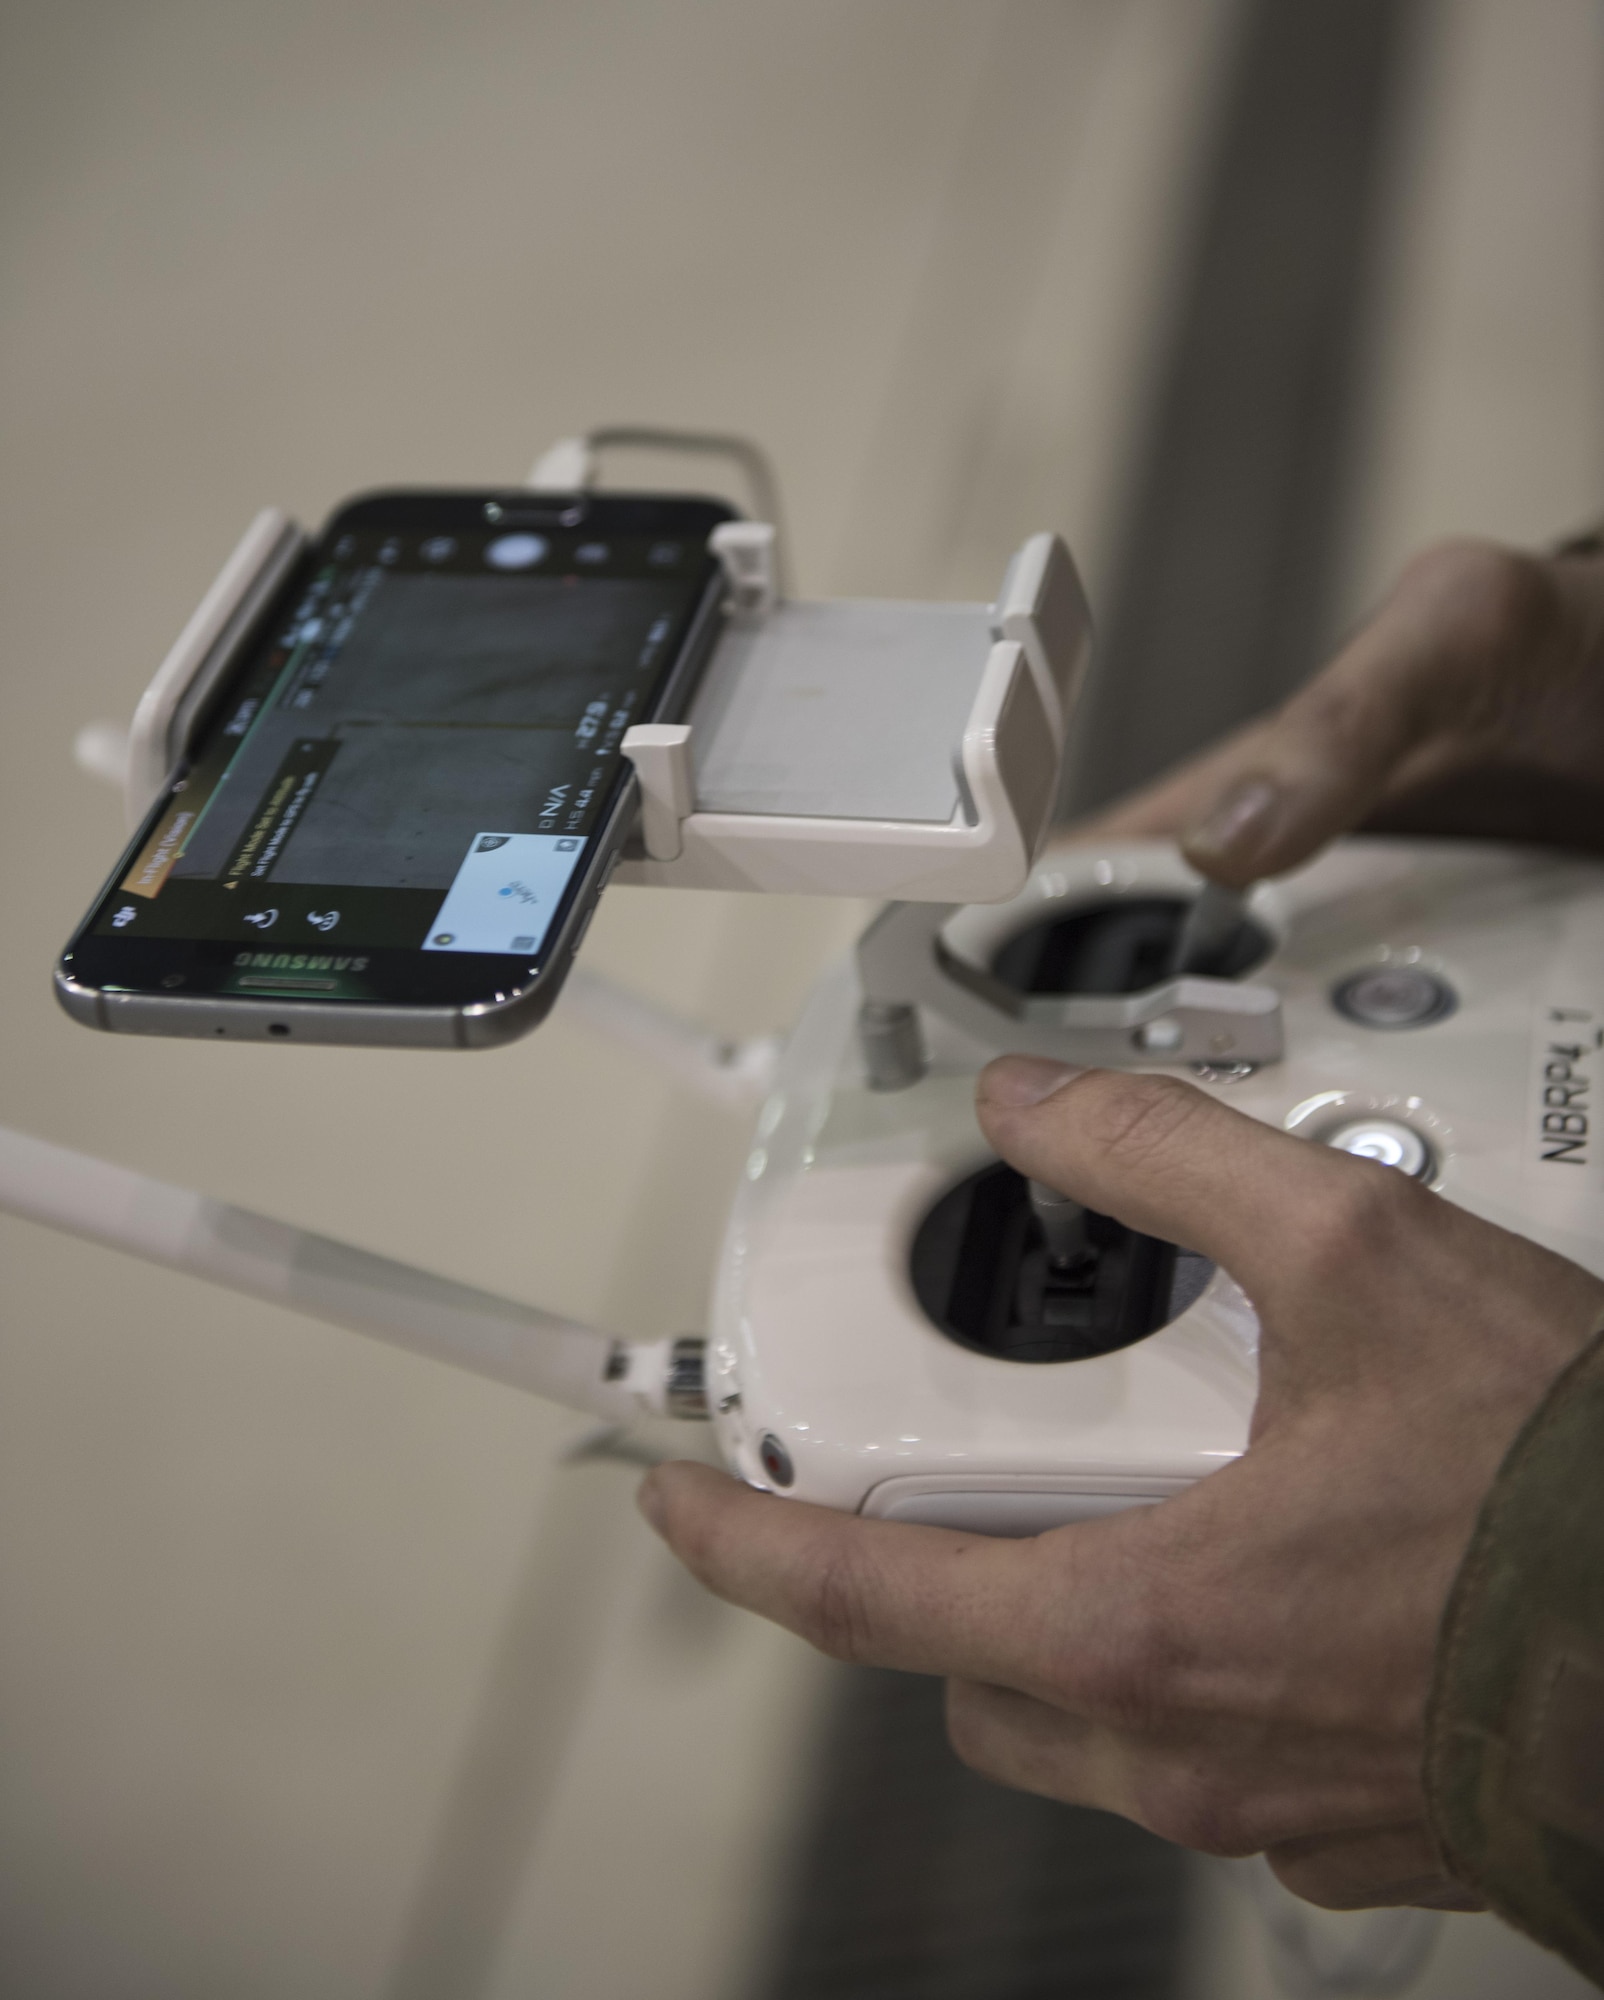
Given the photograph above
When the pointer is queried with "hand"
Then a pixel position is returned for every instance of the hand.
(1244, 1667)
(1472, 703)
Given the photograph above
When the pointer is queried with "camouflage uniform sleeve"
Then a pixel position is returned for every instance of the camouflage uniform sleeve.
(1515, 1728)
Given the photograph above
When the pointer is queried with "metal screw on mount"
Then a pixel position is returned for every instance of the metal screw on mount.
(685, 1388)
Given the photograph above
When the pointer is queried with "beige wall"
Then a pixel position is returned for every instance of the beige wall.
(1487, 408)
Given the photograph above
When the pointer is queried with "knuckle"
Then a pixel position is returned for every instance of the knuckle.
(1308, 1876)
(1331, 712)
(834, 1612)
(1194, 1808)
(1393, 1863)
(1361, 1211)
(1115, 1687)
(1499, 600)
(1131, 1680)
(1133, 1119)
(969, 1730)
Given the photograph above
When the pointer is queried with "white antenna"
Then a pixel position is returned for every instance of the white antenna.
(508, 1342)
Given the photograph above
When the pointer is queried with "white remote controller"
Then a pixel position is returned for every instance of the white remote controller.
(892, 1333)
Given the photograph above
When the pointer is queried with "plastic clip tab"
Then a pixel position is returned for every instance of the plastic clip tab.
(862, 748)
(661, 754)
(568, 466)
(747, 549)
(1042, 607)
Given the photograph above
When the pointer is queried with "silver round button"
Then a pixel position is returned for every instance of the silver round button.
(1394, 997)
(1388, 1140)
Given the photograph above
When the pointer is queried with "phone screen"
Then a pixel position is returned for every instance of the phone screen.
(420, 745)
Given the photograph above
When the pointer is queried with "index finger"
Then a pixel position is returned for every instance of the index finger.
(1428, 682)
(1174, 801)
(878, 1593)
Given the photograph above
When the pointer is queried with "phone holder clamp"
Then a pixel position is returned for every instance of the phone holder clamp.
(866, 748)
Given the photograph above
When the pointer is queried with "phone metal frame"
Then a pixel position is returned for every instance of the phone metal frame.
(164, 726)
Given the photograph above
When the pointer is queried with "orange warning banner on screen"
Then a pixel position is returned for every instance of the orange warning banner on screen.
(159, 853)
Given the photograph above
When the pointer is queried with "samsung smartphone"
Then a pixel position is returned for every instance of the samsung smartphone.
(397, 817)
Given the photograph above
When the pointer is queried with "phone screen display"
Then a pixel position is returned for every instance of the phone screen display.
(419, 746)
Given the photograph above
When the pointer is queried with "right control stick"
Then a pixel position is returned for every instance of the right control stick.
(1063, 1227)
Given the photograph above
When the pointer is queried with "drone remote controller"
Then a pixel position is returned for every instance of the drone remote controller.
(897, 1332)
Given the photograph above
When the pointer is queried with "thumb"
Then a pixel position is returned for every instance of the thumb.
(1360, 1276)
(1166, 1159)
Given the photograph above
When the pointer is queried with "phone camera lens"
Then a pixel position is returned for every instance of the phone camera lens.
(516, 551)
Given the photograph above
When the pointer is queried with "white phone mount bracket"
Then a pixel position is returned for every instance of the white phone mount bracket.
(169, 709)
(861, 748)
(851, 748)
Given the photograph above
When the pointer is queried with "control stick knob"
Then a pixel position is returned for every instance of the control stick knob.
(1063, 1225)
